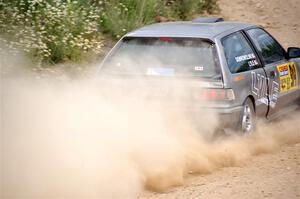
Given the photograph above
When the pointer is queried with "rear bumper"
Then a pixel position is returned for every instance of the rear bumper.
(226, 118)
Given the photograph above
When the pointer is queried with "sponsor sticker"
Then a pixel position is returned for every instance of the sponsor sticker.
(288, 76)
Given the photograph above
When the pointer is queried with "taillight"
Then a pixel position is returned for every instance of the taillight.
(166, 38)
(215, 94)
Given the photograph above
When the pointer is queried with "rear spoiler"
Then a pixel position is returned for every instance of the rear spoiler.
(208, 20)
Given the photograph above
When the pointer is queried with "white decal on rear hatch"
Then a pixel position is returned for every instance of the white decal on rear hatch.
(199, 68)
(161, 71)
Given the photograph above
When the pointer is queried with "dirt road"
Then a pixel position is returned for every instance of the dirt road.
(280, 17)
(275, 175)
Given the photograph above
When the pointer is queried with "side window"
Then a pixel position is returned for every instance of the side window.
(239, 54)
(267, 47)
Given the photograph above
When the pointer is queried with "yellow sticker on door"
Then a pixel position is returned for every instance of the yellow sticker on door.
(288, 76)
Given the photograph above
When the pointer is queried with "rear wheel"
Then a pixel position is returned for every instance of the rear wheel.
(247, 120)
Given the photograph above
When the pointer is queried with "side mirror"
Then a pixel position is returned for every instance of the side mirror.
(293, 52)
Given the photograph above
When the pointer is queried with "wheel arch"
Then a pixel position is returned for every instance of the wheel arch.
(248, 100)
(252, 100)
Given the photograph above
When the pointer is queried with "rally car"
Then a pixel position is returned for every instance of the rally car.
(240, 68)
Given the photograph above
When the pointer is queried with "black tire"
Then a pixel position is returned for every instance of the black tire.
(247, 123)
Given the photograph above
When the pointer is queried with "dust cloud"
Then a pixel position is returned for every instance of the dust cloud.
(71, 139)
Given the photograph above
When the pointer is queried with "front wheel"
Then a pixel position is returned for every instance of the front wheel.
(247, 120)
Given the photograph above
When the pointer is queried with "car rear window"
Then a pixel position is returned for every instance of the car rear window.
(163, 57)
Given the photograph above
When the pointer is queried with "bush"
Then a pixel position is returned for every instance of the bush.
(120, 16)
(185, 9)
(51, 31)
(57, 30)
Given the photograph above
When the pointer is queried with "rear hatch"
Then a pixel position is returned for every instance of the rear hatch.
(169, 68)
(164, 57)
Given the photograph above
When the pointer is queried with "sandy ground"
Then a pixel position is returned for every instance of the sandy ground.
(270, 175)
(275, 175)
(279, 17)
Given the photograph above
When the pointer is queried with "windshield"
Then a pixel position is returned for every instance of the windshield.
(163, 57)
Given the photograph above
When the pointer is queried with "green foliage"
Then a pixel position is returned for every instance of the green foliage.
(121, 16)
(125, 15)
(51, 31)
(57, 30)
(185, 9)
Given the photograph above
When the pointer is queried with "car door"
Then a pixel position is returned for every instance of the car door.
(282, 75)
(247, 77)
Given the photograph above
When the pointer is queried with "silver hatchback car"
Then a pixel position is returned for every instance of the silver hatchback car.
(246, 72)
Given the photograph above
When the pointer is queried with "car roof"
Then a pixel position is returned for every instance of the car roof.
(189, 29)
